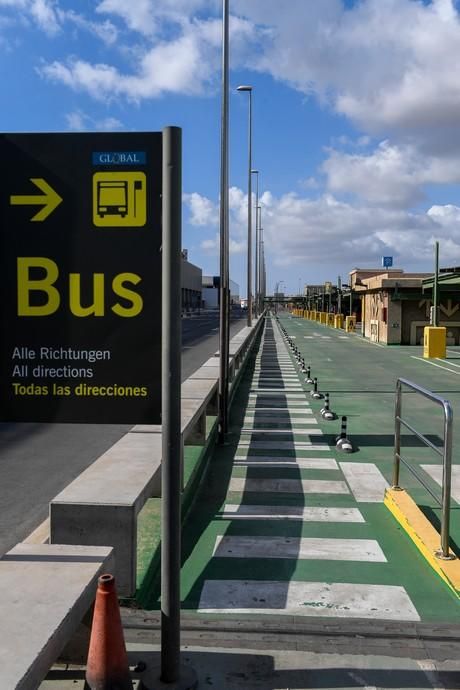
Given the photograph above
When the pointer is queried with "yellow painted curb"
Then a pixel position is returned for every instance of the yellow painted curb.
(423, 534)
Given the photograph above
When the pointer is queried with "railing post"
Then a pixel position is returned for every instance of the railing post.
(397, 451)
(446, 482)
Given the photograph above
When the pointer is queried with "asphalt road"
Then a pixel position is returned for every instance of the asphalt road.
(38, 460)
(200, 338)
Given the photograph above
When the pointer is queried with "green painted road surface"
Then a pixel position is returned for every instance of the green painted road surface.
(286, 524)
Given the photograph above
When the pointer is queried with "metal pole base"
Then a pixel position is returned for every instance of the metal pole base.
(150, 679)
(443, 557)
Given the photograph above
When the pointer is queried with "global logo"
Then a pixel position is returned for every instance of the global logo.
(119, 158)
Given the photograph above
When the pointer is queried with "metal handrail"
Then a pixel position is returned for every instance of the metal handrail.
(446, 454)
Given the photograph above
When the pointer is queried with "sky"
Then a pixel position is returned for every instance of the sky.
(356, 117)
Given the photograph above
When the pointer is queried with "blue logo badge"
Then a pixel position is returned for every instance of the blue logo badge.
(119, 158)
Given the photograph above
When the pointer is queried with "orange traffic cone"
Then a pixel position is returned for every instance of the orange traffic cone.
(107, 666)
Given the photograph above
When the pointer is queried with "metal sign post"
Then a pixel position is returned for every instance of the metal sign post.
(171, 404)
(435, 319)
(180, 677)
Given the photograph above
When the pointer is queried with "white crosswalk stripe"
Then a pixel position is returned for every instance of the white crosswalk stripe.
(305, 514)
(338, 600)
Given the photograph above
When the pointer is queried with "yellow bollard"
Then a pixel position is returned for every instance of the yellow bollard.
(323, 318)
(338, 321)
(434, 342)
(350, 324)
(330, 320)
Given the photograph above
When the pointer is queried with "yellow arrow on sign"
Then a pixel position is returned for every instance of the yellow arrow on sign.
(49, 200)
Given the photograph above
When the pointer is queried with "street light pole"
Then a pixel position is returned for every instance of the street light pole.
(249, 91)
(263, 279)
(224, 236)
(256, 281)
(259, 253)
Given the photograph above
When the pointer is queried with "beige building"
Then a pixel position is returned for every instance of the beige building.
(394, 309)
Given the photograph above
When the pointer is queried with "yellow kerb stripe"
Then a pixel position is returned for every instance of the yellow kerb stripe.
(423, 534)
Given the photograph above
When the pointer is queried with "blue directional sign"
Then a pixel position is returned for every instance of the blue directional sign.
(387, 261)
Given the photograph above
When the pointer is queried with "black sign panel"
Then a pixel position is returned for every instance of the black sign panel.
(80, 264)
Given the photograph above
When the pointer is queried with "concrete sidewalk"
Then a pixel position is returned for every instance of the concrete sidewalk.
(300, 656)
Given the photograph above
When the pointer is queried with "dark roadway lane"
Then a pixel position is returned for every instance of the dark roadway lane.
(38, 460)
(200, 338)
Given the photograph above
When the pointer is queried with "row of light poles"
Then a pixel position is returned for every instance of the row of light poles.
(259, 290)
(172, 672)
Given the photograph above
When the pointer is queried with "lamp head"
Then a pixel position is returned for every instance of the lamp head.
(244, 87)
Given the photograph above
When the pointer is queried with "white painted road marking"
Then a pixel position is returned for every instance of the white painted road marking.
(365, 480)
(281, 445)
(435, 472)
(337, 600)
(256, 423)
(288, 486)
(273, 461)
(427, 361)
(311, 514)
(278, 413)
(282, 432)
(300, 548)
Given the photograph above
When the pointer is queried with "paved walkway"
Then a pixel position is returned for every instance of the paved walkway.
(289, 525)
(295, 575)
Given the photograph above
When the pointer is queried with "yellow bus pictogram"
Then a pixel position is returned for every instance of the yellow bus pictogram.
(119, 199)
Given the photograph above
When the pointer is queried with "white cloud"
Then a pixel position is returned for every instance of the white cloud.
(79, 121)
(391, 64)
(44, 13)
(106, 30)
(309, 183)
(184, 65)
(299, 230)
(325, 230)
(178, 51)
(138, 14)
(392, 175)
(203, 211)
(391, 67)
(212, 246)
(145, 16)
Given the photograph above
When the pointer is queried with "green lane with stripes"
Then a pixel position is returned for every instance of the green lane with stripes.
(281, 526)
